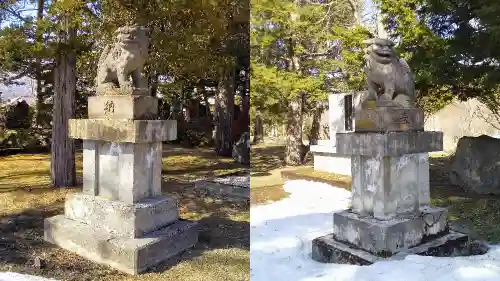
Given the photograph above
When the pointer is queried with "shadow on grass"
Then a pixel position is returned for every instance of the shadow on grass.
(223, 225)
(265, 159)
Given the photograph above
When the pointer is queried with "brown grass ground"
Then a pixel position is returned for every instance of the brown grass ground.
(27, 197)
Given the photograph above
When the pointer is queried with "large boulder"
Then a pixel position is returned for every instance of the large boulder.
(476, 165)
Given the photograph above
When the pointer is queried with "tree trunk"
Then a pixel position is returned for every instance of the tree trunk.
(40, 110)
(207, 104)
(224, 110)
(258, 128)
(316, 124)
(293, 138)
(63, 149)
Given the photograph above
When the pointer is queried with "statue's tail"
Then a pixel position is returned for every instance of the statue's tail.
(103, 55)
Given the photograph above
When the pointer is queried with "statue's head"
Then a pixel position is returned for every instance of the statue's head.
(381, 50)
(133, 36)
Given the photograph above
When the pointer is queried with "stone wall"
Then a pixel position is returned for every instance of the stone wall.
(470, 118)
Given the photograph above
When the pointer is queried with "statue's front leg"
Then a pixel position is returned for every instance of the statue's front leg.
(139, 80)
(123, 80)
(372, 90)
(389, 89)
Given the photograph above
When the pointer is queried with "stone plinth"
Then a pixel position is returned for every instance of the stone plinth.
(389, 119)
(123, 107)
(130, 255)
(388, 236)
(121, 218)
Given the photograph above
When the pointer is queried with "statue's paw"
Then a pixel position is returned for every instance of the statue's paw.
(384, 97)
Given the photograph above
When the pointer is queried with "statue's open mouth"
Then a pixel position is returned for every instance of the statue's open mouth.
(383, 53)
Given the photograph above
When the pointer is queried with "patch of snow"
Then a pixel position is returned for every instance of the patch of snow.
(281, 234)
(242, 181)
(13, 276)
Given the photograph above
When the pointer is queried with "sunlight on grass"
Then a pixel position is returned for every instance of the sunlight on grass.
(25, 185)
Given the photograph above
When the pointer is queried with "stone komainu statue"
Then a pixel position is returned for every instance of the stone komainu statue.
(386, 71)
(124, 58)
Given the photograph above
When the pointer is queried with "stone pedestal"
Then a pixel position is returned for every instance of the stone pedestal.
(390, 214)
(121, 218)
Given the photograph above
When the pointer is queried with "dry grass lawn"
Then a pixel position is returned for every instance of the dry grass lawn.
(27, 197)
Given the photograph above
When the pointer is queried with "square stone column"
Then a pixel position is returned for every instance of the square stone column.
(121, 218)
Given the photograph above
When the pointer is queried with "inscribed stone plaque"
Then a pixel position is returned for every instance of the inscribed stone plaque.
(389, 119)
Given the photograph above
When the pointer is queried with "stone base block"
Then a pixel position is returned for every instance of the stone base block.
(123, 107)
(120, 219)
(389, 119)
(327, 249)
(130, 255)
(123, 130)
(387, 237)
(388, 144)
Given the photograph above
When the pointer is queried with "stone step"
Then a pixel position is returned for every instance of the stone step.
(378, 236)
(326, 249)
(119, 219)
(130, 255)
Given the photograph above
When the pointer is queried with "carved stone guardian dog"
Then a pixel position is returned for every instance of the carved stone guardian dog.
(386, 71)
(123, 59)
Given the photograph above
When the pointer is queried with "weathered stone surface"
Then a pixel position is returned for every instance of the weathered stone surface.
(476, 165)
(123, 59)
(122, 107)
(120, 219)
(326, 249)
(121, 130)
(388, 144)
(127, 172)
(389, 119)
(386, 186)
(385, 70)
(377, 236)
(130, 255)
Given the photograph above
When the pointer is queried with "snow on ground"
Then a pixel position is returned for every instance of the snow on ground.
(12, 276)
(281, 235)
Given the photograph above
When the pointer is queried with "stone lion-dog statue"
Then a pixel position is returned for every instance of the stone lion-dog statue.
(122, 59)
(386, 71)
